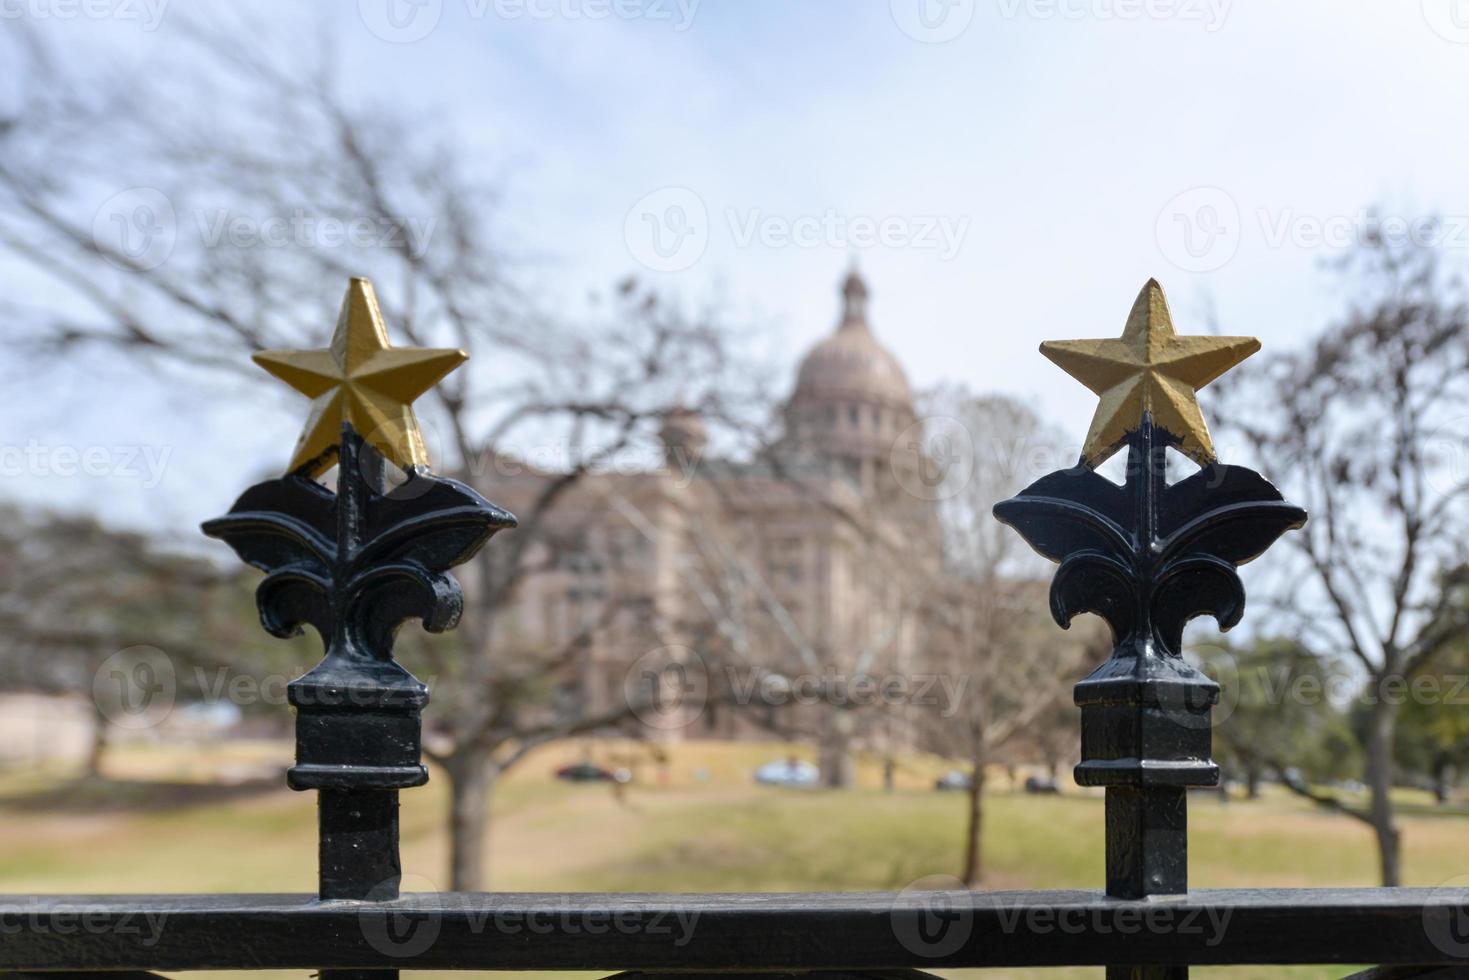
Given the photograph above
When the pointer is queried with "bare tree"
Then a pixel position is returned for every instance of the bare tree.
(188, 232)
(1365, 427)
(770, 660)
(989, 621)
(113, 619)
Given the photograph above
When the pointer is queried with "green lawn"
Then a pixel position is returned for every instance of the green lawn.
(703, 829)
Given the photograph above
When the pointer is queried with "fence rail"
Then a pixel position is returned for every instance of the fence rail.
(731, 932)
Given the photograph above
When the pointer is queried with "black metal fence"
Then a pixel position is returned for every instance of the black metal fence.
(354, 564)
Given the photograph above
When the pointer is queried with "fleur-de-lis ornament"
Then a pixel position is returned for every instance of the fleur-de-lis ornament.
(357, 563)
(1148, 556)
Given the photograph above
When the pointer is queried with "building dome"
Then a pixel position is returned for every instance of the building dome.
(852, 404)
(851, 365)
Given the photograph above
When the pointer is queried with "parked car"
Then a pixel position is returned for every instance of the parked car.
(1042, 785)
(584, 772)
(788, 772)
(952, 780)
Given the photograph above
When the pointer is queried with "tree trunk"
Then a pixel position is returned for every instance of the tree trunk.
(1381, 727)
(1252, 782)
(101, 729)
(1443, 780)
(837, 768)
(973, 844)
(471, 787)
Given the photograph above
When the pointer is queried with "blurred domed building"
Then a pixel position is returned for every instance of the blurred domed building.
(751, 592)
(852, 402)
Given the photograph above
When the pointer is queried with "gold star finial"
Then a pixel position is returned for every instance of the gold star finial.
(1150, 369)
(363, 380)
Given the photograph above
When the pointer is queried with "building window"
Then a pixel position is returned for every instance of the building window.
(855, 415)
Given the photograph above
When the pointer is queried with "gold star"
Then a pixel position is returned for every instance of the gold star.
(362, 380)
(1150, 369)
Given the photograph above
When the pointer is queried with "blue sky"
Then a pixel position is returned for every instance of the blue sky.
(1021, 166)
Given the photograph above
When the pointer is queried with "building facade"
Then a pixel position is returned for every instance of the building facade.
(728, 598)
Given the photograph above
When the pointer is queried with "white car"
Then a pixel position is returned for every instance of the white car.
(788, 772)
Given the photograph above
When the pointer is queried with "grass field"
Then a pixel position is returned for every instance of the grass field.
(704, 828)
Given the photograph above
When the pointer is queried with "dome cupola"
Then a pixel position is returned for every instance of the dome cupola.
(851, 399)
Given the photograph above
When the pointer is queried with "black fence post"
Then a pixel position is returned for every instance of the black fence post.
(1146, 737)
(355, 565)
(1147, 557)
